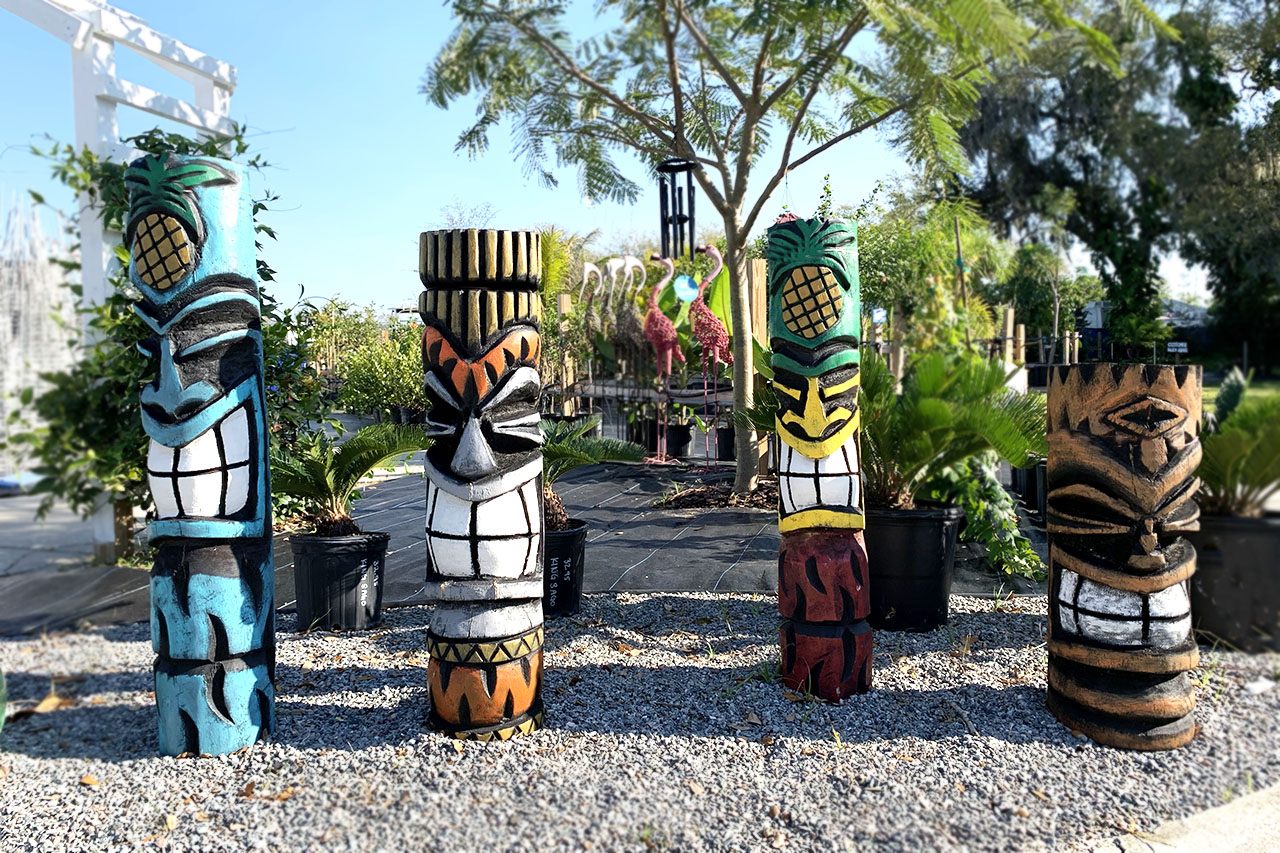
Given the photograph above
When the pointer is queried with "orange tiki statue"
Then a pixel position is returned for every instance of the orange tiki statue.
(480, 354)
(1124, 443)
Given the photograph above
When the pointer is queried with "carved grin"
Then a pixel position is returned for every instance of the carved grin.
(824, 492)
(1122, 618)
(206, 478)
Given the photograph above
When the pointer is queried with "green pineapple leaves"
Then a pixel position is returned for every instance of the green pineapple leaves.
(159, 184)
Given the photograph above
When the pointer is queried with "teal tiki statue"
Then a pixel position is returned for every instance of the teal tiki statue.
(814, 330)
(191, 240)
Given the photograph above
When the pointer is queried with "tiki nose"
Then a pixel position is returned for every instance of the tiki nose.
(473, 458)
(1147, 556)
(1147, 538)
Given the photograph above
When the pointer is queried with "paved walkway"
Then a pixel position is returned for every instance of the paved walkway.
(49, 582)
(1250, 824)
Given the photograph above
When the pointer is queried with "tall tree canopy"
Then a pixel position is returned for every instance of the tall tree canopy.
(745, 89)
(1181, 152)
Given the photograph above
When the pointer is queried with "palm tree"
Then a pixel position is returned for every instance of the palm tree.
(950, 408)
(566, 446)
(324, 475)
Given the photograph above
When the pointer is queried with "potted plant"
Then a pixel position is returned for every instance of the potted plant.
(949, 408)
(337, 570)
(1235, 592)
(568, 445)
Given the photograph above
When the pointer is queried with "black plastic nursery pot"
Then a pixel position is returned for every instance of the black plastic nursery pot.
(1235, 592)
(911, 555)
(679, 438)
(338, 580)
(644, 431)
(562, 569)
(726, 449)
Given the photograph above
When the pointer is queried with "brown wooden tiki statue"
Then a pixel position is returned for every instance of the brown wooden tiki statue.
(1124, 443)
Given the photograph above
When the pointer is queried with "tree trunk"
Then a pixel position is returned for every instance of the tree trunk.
(743, 352)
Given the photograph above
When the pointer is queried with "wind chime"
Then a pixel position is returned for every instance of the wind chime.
(677, 227)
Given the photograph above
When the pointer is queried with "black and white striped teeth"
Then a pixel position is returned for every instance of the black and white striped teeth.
(1117, 617)
(806, 483)
(206, 478)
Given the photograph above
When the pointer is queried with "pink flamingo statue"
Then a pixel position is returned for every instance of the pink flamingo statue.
(712, 335)
(661, 333)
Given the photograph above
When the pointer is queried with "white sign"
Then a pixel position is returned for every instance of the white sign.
(1176, 346)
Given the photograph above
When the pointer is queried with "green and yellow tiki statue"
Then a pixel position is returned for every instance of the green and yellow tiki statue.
(814, 329)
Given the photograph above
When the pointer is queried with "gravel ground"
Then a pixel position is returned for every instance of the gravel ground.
(666, 733)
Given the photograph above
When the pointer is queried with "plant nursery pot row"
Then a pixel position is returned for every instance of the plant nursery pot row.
(1235, 592)
(911, 555)
(680, 439)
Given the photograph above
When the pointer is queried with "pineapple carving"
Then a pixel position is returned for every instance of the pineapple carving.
(165, 232)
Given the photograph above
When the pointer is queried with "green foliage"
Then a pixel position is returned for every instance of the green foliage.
(566, 446)
(340, 328)
(991, 517)
(1068, 146)
(1035, 271)
(950, 408)
(323, 475)
(728, 85)
(1240, 469)
(1230, 393)
(386, 371)
(906, 244)
(92, 445)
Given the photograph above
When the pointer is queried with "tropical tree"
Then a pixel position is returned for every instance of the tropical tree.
(727, 85)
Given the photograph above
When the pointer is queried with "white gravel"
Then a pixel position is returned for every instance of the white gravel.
(664, 734)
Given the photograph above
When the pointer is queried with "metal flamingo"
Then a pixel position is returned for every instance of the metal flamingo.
(711, 334)
(661, 333)
(629, 331)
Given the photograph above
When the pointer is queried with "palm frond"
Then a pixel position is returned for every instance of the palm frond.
(566, 446)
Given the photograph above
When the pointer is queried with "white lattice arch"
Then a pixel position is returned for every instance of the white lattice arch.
(93, 30)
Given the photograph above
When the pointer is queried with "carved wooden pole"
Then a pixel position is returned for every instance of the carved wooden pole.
(1124, 443)
(814, 325)
(480, 354)
(190, 234)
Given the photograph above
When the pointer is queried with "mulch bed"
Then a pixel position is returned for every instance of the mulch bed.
(721, 495)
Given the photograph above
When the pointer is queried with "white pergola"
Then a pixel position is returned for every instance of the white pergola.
(93, 30)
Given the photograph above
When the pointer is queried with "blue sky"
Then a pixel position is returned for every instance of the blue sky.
(361, 162)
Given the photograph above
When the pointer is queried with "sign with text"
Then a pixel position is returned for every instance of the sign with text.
(1176, 346)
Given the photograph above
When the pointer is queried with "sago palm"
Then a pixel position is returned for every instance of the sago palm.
(566, 446)
(324, 475)
(1240, 469)
(950, 408)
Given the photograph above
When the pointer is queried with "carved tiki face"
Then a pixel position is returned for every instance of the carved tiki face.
(206, 462)
(480, 353)
(1124, 446)
(814, 327)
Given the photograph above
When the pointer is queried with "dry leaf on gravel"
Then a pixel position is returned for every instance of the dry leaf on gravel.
(88, 779)
(694, 786)
(247, 790)
(171, 821)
